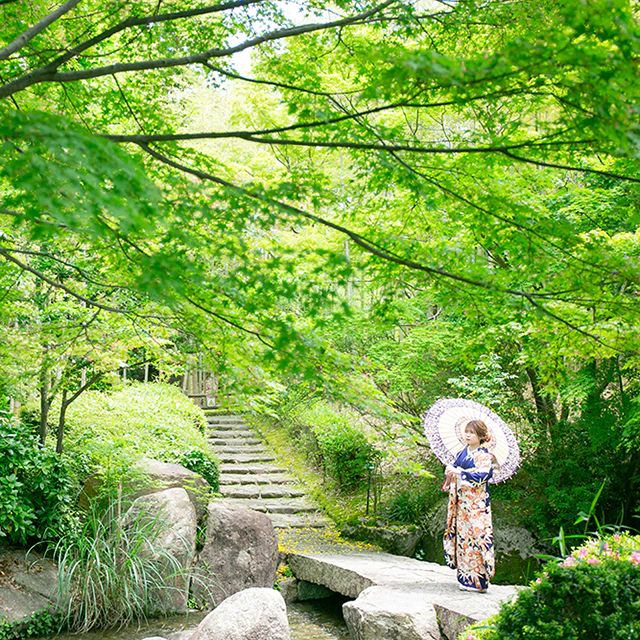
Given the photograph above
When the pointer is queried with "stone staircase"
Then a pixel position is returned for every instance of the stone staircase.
(251, 476)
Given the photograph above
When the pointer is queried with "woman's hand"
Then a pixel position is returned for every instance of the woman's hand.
(452, 471)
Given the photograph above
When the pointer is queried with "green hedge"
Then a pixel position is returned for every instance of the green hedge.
(108, 431)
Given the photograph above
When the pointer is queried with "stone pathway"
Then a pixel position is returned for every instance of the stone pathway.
(251, 476)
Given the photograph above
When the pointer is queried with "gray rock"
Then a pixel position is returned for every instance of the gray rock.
(288, 589)
(510, 540)
(28, 584)
(240, 551)
(457, 610)
(391, 613)
(166, 475)
(401, 540)
(32, 572)
(310, 591)
(17, 605)
(398, 596)
(294, 590)
(332, 575)
(252, 614)
(352, 573)
(177, 538)
(181, 635)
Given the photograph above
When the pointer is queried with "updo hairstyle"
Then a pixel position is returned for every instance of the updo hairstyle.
(480, 429)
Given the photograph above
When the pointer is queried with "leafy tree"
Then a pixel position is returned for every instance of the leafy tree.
(482, 156)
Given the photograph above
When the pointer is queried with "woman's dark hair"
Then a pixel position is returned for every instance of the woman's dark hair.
(479, 428)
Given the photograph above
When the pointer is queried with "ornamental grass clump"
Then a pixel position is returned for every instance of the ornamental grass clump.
(112, 571)
(593, 594)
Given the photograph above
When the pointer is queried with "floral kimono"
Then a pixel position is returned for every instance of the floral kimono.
(468, 538)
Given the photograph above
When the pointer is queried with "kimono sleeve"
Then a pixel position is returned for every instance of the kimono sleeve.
(481, 471)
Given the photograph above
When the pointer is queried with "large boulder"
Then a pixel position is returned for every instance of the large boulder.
(176, 539)
(156, 476)
(252, 614)
(240, 551)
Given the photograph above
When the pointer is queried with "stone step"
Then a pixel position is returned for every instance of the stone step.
(214, 417)
(226, 428)
(250, 469)
(256, 491)
(297, 520)
(227, 424)
(231, 430)
(254, 478)
(233, 441)
(244, 458)
(251, 448)
(282, 506)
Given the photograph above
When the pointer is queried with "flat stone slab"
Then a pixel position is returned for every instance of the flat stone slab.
(249, 468)
(27, 584)
(398, 598)
(240, 448)
(351, 573)
(223, 418)
(227, 427)
(240, 441)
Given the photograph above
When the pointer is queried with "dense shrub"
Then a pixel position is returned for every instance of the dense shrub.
(409, 500)
(594, 594)
(345, 453)
(202, 463)
(108, 431)
(334, 441)
(36, 490)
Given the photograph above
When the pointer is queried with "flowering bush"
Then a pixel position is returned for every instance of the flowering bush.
(594, 593)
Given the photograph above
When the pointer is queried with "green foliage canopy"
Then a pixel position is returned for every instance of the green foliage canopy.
(468, 135)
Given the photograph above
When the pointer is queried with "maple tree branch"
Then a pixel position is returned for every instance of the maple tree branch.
(33, 31)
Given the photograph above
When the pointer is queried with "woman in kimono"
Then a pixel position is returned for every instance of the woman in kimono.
(468, 538)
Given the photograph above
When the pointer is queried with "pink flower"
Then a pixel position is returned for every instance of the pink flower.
(538, 580)
(569, 562)
(593, 561)
(469, 635)
(635, 558)
(582, 554)
(617, 536)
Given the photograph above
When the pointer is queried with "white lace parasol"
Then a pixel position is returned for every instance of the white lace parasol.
(444, 426)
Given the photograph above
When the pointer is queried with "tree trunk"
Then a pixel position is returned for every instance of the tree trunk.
(61, 420)
(44, 408)
(544, 405)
